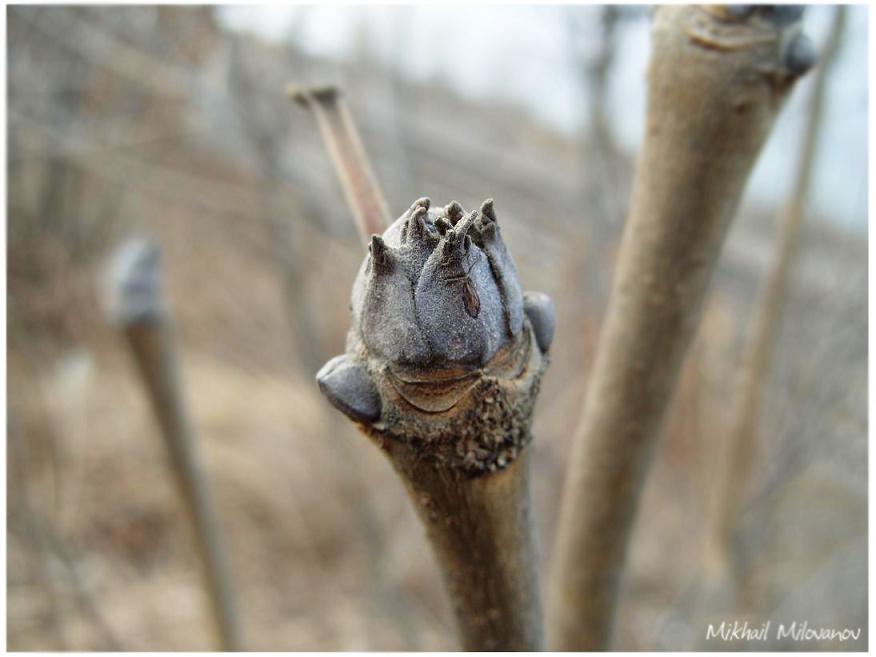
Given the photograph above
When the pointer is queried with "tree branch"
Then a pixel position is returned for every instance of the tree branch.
(344, 145)
(137, 307)
(740, 442)
(717, 79)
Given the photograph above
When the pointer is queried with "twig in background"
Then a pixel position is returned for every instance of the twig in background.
(348, 155)
(739, 444)
(717, 79)
(137, 307)
(447, 392)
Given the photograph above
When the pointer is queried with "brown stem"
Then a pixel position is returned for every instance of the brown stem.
(481, 531)
(344, 145)
(717, 80)
(139, 310)
(479, 521)
(740, 442)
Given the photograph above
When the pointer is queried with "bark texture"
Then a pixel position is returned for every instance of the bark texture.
(138, 308)
(481, 529)
(467, 471)
(717, 79)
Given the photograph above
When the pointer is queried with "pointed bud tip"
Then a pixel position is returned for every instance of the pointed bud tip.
(422, 202)
(380, 254)
(487, 209)
(465, 224)
(454, 212)
(416, 229)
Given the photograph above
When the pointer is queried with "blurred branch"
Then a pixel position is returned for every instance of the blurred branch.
(739, 444)
(344, 145)
(138, 308)
(214, 196)
(18, 485)
(717, 80)
(595, 70)
(98, 45)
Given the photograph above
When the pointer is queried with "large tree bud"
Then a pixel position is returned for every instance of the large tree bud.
(438, 328)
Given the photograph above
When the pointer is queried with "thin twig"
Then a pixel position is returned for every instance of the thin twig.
(351, 163)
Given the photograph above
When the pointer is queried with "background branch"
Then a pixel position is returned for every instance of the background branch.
(716, 82)
(137, 306)
(344, 145)
(740, 443)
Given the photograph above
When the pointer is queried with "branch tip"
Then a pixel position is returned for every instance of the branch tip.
(133, 283)
(487, 210)
(304, 95)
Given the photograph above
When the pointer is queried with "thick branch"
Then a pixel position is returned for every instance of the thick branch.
(716, 82)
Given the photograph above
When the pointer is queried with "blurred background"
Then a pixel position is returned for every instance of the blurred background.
(171, 122)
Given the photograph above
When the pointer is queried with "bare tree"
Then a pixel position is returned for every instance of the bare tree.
(717, 80)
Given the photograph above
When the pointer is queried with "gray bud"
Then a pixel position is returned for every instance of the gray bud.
(438, 288)
(800, 54)
(502, 266)
(458, 300)
(782, 15)
(541, 313)
(350, 389)
(438, 314)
